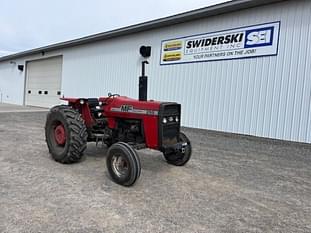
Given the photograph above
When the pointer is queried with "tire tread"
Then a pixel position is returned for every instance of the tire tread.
(77, 133)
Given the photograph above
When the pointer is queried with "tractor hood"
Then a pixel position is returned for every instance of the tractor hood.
(129, 105)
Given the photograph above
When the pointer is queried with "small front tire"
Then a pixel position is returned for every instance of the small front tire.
(123, 164)
(180, 158)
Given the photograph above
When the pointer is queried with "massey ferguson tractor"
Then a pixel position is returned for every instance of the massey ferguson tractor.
(123, 124)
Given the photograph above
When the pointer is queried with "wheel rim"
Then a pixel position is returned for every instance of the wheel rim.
(181, 157)
(60, 135)
(119, 165)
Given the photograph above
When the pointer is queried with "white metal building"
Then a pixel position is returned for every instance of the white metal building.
(242, 66)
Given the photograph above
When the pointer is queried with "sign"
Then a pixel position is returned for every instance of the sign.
(244, 42)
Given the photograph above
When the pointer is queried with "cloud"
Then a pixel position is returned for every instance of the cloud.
(35, 23)
(4, 52)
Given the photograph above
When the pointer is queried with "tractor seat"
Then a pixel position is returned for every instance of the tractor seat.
(93, 102)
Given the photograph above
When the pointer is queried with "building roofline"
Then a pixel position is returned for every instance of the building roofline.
(221, 8)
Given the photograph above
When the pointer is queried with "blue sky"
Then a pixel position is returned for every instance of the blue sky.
(34, 23)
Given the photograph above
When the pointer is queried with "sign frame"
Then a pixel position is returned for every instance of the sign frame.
(265, 25)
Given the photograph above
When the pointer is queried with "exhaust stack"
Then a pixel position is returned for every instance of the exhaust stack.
(145, 51)
(143, 83)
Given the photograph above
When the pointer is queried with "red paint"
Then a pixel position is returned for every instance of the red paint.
(112, 124)
(83, 109)
(151, 131)
(150, 122)
(60, 134)
(86, 114)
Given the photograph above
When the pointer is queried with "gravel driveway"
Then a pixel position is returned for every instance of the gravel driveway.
(232, 184)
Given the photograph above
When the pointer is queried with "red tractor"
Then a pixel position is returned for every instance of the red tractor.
(124, 125)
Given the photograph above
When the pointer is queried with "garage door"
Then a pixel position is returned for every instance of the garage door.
(43, 82)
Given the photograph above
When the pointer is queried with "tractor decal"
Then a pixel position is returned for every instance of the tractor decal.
(131, 109)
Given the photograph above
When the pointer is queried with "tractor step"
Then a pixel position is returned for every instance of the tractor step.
(100, 138)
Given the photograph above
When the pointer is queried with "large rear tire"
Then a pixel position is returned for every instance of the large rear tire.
(65, 134)
(123, 164)
(180, 158)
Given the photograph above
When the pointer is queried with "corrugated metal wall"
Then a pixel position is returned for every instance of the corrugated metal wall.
(11, 82)
(265, 96)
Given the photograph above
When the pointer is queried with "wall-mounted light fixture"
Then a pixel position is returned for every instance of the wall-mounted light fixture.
(145, 51)
(13, 62)
(20, 67)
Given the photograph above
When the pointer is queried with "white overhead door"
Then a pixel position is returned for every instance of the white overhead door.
(43, 82)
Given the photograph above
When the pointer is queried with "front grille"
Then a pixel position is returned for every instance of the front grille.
(169, 132)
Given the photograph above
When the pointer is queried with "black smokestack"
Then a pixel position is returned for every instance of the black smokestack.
(145, 51)
(143, 83)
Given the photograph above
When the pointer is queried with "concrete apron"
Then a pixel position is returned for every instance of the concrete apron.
(18, 108)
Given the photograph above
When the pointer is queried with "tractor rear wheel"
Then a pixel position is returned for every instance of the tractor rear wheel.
(180, 158)
(65, 134)
(123, 164)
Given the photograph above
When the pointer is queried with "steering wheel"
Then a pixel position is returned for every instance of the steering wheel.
(113, 95)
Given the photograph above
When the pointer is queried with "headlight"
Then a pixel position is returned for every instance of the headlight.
(171, 119)
(177, 119)
(81, 101)
(164, 120)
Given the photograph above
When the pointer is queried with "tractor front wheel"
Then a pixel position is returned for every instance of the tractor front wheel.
(66, 134)
(123, 164)
(180, 158)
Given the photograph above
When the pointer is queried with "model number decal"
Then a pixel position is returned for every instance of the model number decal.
(131, 109)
